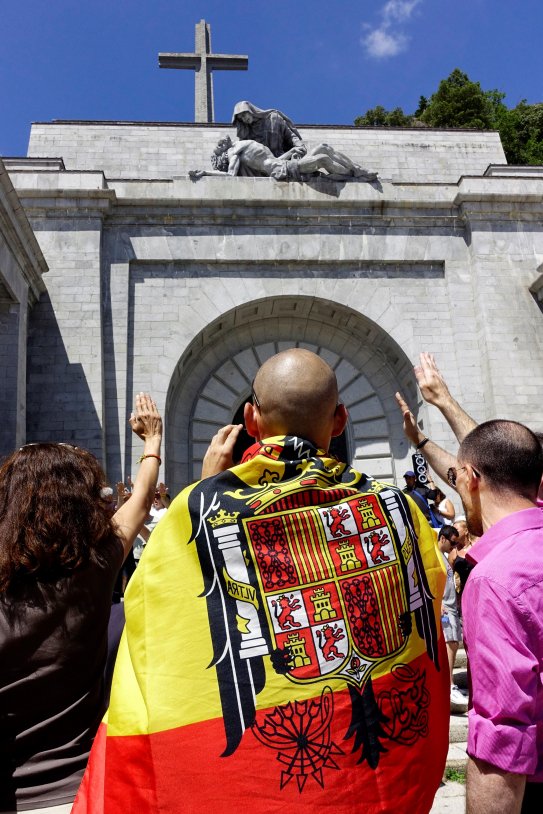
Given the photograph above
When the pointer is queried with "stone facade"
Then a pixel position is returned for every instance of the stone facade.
(184, 287)
(21, 266)
(135, 150)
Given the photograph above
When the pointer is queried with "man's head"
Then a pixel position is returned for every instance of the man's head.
(447, 538)
(499, 462)
(295, 393)
(219, 157)
(410, 479)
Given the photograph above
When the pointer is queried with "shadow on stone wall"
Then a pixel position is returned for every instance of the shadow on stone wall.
(8, 377)
(59, 402)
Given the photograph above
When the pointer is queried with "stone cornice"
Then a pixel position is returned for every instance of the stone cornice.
(19, 236)
(503, 188)
(74, 194)
(217, 199)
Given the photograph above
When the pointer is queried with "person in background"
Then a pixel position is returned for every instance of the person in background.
(60, 552)
(442, 508)
(452, 626)
(461, 566)
(161, 503)
(420, 494)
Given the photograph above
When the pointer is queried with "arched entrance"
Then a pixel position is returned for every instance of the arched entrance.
(214, 375)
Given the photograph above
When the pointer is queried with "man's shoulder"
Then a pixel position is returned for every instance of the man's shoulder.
(513, 566)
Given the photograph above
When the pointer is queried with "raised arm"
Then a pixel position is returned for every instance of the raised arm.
(439, 459)
(147, 424)
(434, 390)
(121, 490)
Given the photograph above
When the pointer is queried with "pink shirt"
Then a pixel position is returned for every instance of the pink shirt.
(503, 630)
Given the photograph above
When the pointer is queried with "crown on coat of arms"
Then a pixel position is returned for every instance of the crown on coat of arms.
(223, 518)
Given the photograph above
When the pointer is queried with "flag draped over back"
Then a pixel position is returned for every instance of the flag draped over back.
(282, 650)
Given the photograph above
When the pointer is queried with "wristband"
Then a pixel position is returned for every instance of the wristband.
(422, 443)
(150, 455)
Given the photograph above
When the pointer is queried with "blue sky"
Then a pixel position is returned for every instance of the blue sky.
(319, 61)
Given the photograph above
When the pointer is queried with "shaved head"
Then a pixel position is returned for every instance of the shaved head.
(297, 394)
(508, 454)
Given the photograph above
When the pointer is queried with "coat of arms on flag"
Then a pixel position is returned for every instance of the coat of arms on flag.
(332, 587)
(325, 579)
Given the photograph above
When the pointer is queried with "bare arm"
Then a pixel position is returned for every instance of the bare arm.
(294, 152)
(120, 495)
(490, 790)
(434, 390)
(447, 511)
(439, 459)
(195, 175)
(147, 424)
(218, 456)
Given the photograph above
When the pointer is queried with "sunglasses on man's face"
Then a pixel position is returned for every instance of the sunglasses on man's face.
(254, 397)
(452, 474)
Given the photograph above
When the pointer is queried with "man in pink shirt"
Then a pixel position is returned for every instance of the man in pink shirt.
(499, 470)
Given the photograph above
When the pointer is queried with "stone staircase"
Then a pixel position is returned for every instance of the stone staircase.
(458, 732)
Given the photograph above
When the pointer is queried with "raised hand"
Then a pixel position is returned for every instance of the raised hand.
(410, 428)
(219, 453)
(434, 390)
(439, 459)
(431, 383)
(145, 420)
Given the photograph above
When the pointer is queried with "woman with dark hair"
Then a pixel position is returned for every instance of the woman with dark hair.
(60, 552)
(442, 508)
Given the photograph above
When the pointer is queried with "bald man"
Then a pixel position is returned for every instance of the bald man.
(283, 648)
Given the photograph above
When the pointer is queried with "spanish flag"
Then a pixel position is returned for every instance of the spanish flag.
(282, 651)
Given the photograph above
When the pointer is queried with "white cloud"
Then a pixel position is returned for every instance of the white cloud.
(380, 43)
(399, 10)
(388, 39)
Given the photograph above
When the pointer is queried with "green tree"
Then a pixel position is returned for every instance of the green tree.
(379, 117)
(423, 104)
(525, 143)
(459, 102)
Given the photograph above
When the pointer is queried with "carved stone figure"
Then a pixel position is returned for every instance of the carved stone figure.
(249, 157)
(269, 127)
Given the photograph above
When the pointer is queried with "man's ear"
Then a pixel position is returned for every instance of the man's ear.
(250, 416)
(472, 478)
(340, 420)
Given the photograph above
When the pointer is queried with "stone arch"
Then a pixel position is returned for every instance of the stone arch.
(214, 375)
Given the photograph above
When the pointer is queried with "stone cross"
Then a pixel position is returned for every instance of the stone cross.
(204, 62)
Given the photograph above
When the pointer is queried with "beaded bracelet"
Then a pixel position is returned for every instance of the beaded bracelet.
(150, 455)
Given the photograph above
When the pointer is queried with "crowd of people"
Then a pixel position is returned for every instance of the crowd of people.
(291, 628)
